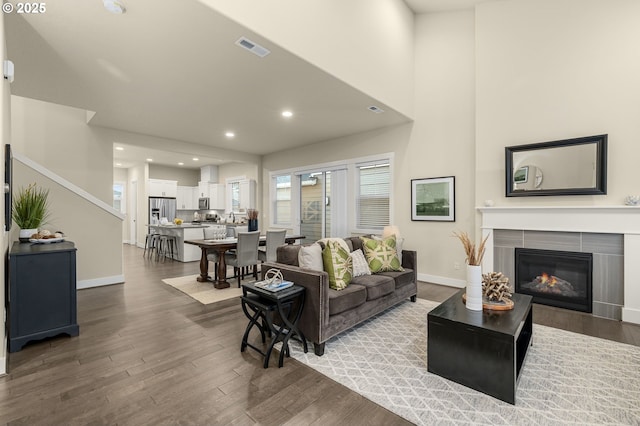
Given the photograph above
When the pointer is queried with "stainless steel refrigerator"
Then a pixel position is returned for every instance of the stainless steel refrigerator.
(160, 207)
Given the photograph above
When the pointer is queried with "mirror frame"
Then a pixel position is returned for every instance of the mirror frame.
(600, 141)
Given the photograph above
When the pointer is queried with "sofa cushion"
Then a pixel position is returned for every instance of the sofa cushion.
(337, 264)
(400, 278)
(349, 298)
(377, 285)
(360, 265)
(288, 254)
(381, 254)
(310, 257)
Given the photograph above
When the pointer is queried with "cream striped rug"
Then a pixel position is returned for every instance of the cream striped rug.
(567, 378)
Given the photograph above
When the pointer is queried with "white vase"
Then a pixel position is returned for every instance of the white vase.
(474, 288)
(25, 234)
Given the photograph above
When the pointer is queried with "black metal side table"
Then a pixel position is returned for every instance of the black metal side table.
(261, 306)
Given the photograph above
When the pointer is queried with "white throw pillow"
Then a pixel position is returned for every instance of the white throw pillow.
(360, 265)
(310, 257)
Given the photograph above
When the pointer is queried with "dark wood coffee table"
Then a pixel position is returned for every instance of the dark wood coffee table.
(484, 350)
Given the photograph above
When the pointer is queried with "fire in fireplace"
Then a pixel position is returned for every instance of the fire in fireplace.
(556, 278)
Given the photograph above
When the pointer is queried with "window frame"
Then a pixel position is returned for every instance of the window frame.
(351, 165)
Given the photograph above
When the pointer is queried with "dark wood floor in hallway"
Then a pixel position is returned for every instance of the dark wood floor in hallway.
(149, 354)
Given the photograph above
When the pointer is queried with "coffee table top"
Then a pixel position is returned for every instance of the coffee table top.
(508, 322)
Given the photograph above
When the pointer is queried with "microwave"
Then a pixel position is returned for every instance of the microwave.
(203, 203)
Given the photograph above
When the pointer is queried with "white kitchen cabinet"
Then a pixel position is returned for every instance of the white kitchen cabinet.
(186, 198)
(247, 194)
(216, 196)
(163, 188)
(203, 189)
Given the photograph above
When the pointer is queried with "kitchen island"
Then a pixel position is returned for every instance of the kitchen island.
(186, 231)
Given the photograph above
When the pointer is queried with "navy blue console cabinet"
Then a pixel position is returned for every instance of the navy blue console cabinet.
(42, 292)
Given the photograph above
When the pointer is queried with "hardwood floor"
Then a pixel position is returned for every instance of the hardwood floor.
(148, 354)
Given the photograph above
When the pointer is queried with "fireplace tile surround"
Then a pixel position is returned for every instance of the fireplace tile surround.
(611, 233)
(608, 260)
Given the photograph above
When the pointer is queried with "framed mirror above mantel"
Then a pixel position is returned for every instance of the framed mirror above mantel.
(564, 167)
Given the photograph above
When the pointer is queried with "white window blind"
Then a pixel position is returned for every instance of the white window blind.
(282, 201)
(374, 184)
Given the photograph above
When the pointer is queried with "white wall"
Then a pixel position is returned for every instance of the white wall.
(443, 140)
(367, 44)
(97, 234)
(557, 69)
(439, 143)
(59, 138)
(185, 177)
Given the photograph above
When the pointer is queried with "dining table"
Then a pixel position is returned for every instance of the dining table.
(221, 246)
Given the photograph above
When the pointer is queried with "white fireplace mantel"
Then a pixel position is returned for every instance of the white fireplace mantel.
(623, 220)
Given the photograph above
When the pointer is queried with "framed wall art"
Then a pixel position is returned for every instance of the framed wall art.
(433, 199)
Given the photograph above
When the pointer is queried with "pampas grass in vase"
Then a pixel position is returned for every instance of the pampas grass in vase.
(474, 271)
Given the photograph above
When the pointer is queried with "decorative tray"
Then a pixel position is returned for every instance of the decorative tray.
(46, 240)
(491, 305)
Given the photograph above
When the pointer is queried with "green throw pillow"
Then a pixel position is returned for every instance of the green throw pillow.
(381, 255)
(337, 263)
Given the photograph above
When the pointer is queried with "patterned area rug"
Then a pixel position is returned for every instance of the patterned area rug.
(204, 293)
(567, 378)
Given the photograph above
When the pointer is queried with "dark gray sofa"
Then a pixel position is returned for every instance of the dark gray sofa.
(328, 312)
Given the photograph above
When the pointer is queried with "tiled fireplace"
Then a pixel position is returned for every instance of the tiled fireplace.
(610, 236)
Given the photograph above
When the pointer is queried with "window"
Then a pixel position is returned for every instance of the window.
(235, 196)
(282, 201)
(373, 190)
(336, 198)
(118, 197)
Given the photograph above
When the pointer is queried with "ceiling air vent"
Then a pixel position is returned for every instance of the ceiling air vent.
(375, 109)
(252, 47)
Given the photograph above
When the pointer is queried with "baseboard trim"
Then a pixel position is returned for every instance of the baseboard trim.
(435, 279)
(99, 282)
(3, 366)
(631, 315)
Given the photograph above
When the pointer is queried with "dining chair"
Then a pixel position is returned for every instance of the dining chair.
(210, 233)
(275, 239)
(245, 255)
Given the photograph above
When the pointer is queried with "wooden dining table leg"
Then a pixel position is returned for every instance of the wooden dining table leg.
(222, 270)
(204, 267)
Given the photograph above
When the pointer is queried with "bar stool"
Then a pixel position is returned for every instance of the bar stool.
(167, 246)
(151, 242)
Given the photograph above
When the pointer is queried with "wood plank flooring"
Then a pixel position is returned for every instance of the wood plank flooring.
(148, 354)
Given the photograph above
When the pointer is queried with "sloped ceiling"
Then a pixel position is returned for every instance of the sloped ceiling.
(172, 69)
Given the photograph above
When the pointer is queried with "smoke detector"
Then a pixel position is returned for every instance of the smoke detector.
(252, 47)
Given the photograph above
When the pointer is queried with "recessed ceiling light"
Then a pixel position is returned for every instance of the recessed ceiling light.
(180, 164)
(119, 148)
(149, 159)
(287, 114)
(196, 159)
(115, 6)
(229, 134)
(118, 164)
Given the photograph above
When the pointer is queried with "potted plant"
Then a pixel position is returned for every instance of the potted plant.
(30, 210)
